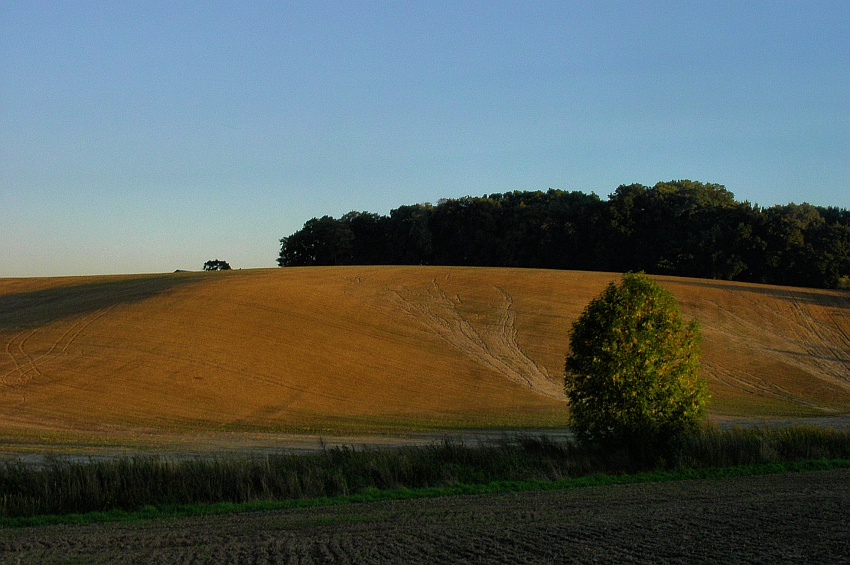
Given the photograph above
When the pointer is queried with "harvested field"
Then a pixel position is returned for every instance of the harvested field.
(140, 361)
(790, 518)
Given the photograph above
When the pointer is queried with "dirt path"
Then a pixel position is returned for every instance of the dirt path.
(792, 518)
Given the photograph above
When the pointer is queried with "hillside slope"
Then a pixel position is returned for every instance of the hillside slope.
(371, 348)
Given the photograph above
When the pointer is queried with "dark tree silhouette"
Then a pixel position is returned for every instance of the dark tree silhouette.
(681, 227)
(216, 265)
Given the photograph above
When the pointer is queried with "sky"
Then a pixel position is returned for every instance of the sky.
(146, 136)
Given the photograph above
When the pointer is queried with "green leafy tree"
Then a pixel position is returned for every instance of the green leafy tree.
(631, 374)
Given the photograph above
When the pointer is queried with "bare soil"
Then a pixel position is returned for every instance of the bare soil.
(791, 518)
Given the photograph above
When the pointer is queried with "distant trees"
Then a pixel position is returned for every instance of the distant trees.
(322, 241)
(216, 265)
(631, 373)
(680, 227)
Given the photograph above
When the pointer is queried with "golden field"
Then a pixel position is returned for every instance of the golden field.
(373, 350)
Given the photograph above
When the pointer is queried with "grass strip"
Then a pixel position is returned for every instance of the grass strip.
(150, 513)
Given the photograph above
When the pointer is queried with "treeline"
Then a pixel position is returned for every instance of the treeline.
(683, 228)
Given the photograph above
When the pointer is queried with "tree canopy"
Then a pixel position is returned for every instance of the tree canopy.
(682, 227)
(216, 265)
(632, 369)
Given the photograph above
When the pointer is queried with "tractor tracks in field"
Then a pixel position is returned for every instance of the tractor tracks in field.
(26, 366)
(810, 337)
(821, 337)
(492, 344)
(758, 386)
(828, 345)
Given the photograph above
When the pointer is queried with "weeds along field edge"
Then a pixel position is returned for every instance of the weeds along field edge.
(133, 484)
(151, 512)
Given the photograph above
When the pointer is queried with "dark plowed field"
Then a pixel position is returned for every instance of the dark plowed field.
(793, 518)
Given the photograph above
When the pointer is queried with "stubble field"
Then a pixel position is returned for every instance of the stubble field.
(249, 357)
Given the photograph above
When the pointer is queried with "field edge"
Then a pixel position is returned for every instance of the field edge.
(153, 513)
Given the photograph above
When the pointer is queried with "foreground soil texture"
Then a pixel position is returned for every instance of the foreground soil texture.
(370, 350)
(791, 518)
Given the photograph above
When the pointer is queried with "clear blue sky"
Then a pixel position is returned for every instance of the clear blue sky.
(144, 136)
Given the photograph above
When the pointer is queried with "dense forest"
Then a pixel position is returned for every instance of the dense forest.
(683, 227)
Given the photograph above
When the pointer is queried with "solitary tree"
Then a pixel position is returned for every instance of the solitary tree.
(631, 374)
(216, 265)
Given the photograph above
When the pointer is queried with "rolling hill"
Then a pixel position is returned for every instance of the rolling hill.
(370, 349)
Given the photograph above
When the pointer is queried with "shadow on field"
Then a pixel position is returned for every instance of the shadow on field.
(40, 307)
(820, 353)
(826, 297)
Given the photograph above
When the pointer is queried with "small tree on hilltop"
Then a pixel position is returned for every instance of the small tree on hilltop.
(631, 374)
(216, 265)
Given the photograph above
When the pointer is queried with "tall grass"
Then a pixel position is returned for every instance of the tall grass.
(750, 446)
(62, 487)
